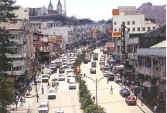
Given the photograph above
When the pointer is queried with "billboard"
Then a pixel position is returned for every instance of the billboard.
(52, 39)
(116, 34)
(115, 12)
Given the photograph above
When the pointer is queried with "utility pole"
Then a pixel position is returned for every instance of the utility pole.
(124, 56)
(123, 48)
(96, 98)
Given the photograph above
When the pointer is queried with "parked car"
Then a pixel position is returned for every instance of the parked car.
(93, 70)
(130, 100)
(43, 107)
(118, 81)
(52, 93)
(111, 77)
(124, 92)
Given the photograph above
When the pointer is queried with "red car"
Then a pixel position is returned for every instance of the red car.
(130, 100)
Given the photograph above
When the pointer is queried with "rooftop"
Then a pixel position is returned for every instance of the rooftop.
(159, 45)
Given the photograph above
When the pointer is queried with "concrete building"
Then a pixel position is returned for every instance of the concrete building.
(151, 69)
(135, 23)
(20, 35)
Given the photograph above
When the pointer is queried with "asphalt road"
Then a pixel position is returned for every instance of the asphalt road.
(111, 102)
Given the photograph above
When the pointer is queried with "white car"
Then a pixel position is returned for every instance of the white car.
(69, 70)
(52, 93)
(43, 107)
(61, 77)
(72, 86)
(72, 80)
(59, 111)
(106, 73)
(45, 78)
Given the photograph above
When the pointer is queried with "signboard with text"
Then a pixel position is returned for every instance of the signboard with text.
(116, 34)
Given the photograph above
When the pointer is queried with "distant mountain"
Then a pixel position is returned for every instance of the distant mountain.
(157, 13)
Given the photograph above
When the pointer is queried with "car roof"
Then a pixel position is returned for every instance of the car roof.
(43, 102)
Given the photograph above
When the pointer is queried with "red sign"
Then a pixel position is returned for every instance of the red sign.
(36, 43)
(116, 34)
(59, 37)
(115, 12)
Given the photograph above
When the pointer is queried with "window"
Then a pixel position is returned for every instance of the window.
(115, 23)
(144, 28)
(138, 29)
(115, 29)
(128, 29)
(153, 27)
(133, 29)
(148, 28)
(133, 22)
(128, 23)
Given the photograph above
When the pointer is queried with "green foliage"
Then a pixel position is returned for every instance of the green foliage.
(92, 109)
(6, 8)
(7, 93)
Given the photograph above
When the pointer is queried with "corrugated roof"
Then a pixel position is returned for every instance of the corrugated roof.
(159, 45)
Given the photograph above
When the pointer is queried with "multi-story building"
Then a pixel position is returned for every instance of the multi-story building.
(135, 23)
(151, 70)
(20, 35)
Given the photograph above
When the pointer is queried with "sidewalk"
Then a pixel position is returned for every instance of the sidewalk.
(24, 107)
(142, 106)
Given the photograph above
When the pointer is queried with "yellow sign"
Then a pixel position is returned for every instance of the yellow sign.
(52, 40)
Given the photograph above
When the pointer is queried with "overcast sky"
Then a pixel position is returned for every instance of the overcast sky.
(93, 9)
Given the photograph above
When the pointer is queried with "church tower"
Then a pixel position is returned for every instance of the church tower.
(59, 8)
(50, 7)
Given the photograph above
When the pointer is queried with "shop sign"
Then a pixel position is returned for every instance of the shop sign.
(163, 74)
(115, 12)
(116, 34)
(52, 40)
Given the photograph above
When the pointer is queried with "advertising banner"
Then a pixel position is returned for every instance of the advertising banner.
(116, 34)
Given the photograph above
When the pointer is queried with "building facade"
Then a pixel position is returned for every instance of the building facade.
(135, 22)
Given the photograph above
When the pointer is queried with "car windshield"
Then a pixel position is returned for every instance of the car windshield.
(51, 91)
(43, 105)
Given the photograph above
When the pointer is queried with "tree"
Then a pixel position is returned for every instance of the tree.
(92, 109)
(7, 93)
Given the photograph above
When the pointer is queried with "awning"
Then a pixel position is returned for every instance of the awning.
(147, 84)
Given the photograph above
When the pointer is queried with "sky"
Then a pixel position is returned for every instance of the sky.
(92, 9)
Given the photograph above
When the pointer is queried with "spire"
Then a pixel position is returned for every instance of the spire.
(50, 7)
(59, 8)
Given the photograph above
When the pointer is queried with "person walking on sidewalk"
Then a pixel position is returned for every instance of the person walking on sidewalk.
(42, 89)
(111, 89)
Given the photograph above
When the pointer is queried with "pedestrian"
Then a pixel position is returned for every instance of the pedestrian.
(93, 98)
(48, 83)
(111, 89)
(37, 97)
(42, 90)
(155, 108)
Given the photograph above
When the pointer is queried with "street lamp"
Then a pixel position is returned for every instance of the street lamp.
(96, 81)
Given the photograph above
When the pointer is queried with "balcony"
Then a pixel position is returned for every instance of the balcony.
(16, 73)
(148, 71)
